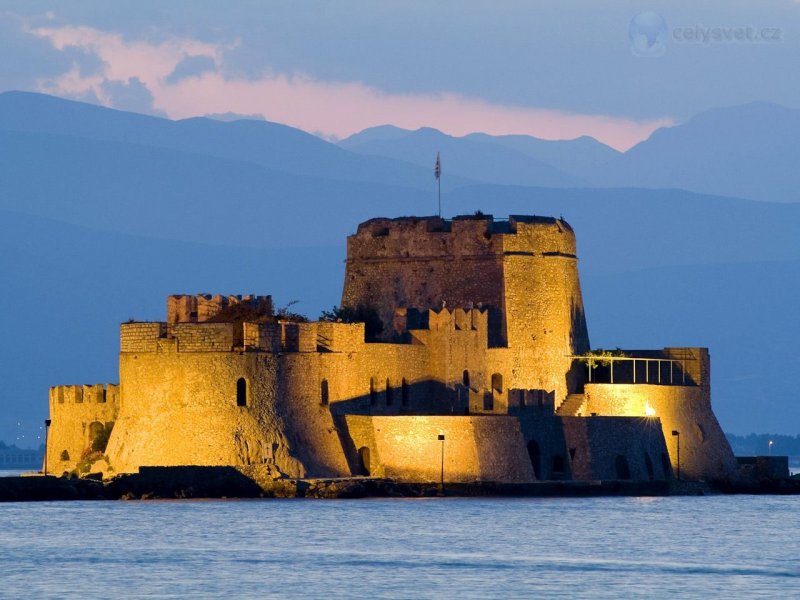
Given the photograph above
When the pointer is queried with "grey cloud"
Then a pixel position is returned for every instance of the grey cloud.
(131, 95)
(191, 66)
(26, 57)
(232, 116)
(88, 63)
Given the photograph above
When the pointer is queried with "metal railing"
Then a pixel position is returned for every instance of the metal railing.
(603, 361)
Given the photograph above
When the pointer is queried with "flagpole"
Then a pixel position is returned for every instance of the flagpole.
(437, 170)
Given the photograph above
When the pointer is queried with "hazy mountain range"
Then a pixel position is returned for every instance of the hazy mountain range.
(744, 151)
(103, 213)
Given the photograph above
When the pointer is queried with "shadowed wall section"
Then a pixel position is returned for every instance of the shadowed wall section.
(705, 452)
(604, 448)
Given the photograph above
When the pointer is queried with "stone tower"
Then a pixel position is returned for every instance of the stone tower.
(523, 270)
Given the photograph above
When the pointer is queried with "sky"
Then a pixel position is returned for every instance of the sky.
(557, 70)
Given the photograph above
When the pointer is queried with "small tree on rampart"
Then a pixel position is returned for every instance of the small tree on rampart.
(373, 326)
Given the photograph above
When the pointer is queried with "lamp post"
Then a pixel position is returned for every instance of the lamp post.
(770, 447)
(677, 435)
(441, 480)
(46, 429)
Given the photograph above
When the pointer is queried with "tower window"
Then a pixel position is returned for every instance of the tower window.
(323, 392)
(373, 395)
(389, 392)
(241, 392)
(465, 378)
(404, 392)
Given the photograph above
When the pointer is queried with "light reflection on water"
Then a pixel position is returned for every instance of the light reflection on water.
(727, 546)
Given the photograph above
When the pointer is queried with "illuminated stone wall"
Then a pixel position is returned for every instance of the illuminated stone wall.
(545, 313)
(476, 448)
(180, 408)
(705, 452)
(523, 271)
(76, 413)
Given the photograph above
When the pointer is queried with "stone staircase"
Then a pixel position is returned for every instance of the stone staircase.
(573, 406)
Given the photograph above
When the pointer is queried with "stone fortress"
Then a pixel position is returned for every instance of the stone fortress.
(474, 362)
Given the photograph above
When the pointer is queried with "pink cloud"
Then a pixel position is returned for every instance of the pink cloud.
(339, 109)
(335, 109)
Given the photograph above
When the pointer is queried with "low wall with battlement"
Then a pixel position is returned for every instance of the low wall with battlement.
(78, 413)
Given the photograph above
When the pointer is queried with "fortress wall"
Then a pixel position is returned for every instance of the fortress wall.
(340, 337)
(457, 342)
(601, 448)
(298, 337)
(705, 452)
(545, 308)
(140, 337)
(310, 422)
(524, 269)
(485, 448)
(404, 263)
(262, 336)
(181, 409)
(317, 431)
(205, 337)
(350, 376)
(77, 412)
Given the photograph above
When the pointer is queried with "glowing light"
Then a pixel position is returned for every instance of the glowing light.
(649, 411)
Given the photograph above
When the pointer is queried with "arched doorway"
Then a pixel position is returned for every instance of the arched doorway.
(648, 464)
(363, 460)
(623, 470)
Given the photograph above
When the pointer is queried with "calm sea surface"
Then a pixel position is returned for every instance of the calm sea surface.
(720, 546)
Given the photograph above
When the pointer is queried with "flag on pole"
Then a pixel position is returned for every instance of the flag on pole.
(437, 171)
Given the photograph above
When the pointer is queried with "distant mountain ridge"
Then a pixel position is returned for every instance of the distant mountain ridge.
(479, 157)
(747, 151)
(264, 143)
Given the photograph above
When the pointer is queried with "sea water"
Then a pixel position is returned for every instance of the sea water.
(715, 546)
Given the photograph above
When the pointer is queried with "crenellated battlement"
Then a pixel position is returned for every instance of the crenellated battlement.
(444, 319)
(471, 236)
(200, 308)
(85, 394)
(274, 337)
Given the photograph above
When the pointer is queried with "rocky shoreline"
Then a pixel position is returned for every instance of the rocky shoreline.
(228, 482)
